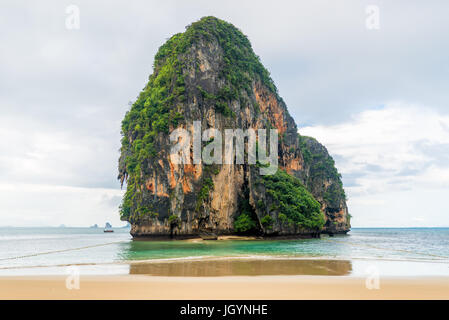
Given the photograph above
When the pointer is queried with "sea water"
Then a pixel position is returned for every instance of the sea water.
(391, 251)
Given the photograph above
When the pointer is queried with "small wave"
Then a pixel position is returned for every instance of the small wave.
(102, 265)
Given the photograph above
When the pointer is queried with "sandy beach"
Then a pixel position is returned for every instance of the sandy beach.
(245, 287)
(330, 268)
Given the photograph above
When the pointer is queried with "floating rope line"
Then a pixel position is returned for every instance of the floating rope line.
(61, 251)
(387, 249)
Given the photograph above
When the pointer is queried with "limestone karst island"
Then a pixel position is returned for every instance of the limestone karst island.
(211, 74)
(152, 155)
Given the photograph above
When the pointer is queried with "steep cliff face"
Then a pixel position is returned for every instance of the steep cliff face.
(210, 74)
(321, 178)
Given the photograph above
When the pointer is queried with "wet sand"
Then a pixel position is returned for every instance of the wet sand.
(223, 278)
(216, 267)
(244, 287)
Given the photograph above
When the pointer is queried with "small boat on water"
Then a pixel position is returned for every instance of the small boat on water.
(108, 228)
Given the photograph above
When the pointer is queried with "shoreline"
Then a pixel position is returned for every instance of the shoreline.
(254, 265)
(225, 288)
(198, 237)
(255, 257)
(219, 238)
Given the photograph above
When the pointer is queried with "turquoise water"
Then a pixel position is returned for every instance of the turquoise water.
(46, 247)
(393, 244)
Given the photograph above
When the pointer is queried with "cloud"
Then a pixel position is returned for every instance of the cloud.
(50, 205)
(399, 149)
(63, 93)
(35, 153)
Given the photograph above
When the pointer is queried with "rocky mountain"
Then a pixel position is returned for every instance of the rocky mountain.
(210, 75)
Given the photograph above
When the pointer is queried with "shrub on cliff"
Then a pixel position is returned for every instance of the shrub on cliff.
(292, 200)
(244, 223)
(322, 167)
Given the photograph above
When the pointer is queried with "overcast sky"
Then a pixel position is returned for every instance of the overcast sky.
(377, 98)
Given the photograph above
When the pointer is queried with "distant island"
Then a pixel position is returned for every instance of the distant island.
(210, 74)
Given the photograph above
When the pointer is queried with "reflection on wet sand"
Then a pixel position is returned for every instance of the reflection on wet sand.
(242, 267)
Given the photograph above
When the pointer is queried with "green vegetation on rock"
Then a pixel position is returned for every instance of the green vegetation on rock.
(207, 186)
(292, 200)
(267, 221)
(322, 168)
(209, 73)
(160, 104)
(156, 108)
(241, 64)
(246, 221)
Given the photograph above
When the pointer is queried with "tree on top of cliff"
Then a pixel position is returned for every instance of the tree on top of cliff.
(241, 64)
